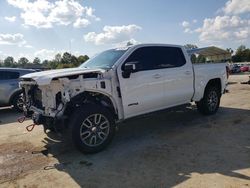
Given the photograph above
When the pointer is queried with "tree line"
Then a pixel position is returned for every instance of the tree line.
(242, 54)
(65, 60)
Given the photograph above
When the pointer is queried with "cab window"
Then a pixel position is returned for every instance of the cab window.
(150, 58)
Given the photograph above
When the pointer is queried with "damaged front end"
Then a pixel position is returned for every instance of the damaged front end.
(51, 104)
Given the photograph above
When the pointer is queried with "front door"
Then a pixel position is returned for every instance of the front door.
(143, 91)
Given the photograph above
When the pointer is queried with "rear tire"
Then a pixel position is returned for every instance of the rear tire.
(211, 101)
(92, 128)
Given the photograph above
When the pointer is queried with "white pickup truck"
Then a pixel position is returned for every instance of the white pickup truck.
(119, 84)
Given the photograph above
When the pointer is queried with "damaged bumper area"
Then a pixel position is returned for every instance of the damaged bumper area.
(49, 104)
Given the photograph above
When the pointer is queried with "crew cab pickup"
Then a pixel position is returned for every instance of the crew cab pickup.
(118, 84)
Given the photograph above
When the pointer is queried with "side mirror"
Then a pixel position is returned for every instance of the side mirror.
(129, 68)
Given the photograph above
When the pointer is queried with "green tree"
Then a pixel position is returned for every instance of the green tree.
(242, 54)
(23, 61)
(82, 58)
(236, 58)
(66, 58)
(45, 63)
(74, 61)
(241, 48)
(52, 64)
(65, 61)
(36, 61)
(9, 62)
(58, 58)
(248, 55)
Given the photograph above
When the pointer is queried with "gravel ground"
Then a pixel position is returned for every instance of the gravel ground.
(171, 149)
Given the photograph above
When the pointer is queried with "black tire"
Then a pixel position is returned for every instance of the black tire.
(80, 124)
(17, 103)
(210, 103)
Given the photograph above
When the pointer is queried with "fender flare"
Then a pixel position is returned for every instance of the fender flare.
(81, 95)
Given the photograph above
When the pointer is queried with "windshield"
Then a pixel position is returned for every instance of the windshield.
(105, 59)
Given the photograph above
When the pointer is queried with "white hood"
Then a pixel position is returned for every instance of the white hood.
(45, 77)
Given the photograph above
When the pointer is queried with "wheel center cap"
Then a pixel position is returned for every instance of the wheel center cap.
(93, 129)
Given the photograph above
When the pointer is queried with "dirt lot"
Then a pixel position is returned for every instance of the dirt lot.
(180, 148)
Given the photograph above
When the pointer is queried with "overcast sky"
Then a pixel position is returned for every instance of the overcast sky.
(41, 28)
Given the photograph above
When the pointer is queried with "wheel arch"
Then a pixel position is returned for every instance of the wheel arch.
(216, 82)
(201, 87)
(99, 98)
(209, 104)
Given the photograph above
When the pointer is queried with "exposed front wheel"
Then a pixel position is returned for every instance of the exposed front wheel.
(211, 101)
(93, 128)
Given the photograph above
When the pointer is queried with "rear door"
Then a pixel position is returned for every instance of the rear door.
(178, 77)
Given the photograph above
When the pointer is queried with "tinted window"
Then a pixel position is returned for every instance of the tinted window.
(5, 75)
(149, 58)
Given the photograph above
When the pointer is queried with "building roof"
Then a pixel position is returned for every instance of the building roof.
(211, 53)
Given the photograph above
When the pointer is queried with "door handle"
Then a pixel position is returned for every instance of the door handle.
(156, 76)
(188, 72)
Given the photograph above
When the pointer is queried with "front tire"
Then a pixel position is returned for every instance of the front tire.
(92, 128)
(211, 101)
(18, 102)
